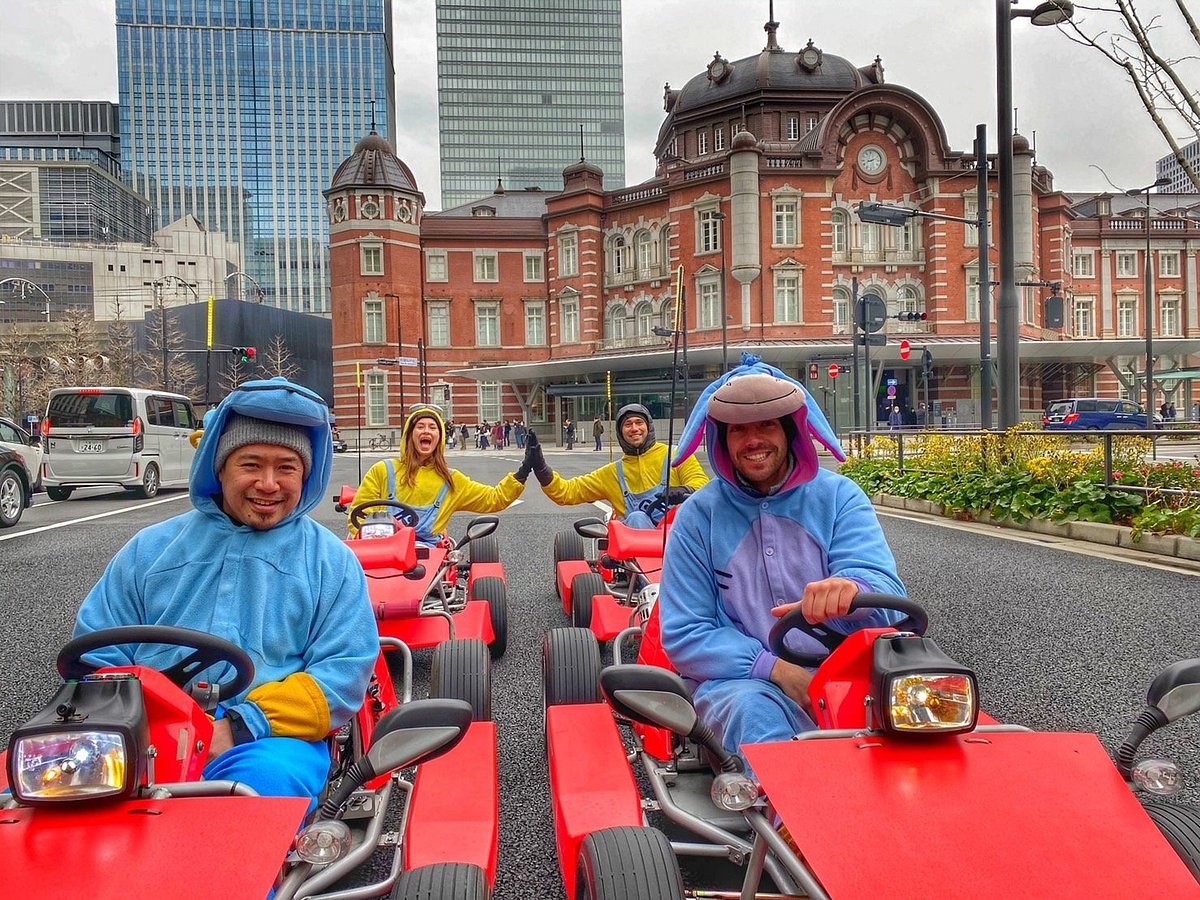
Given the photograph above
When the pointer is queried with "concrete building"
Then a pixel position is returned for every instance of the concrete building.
(517, 82)
(530, 303)
(183, 263)
(1169, 167)
(60, 174)
(235, 113)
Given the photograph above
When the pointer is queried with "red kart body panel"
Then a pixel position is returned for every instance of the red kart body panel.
(454, 816)
(609, 617)
(387, 556)
(979, 815)
(591, 784)
(565, 573)
(474, 621)
(199, 848)
(625, 543)
(176, 723)
(483, 570)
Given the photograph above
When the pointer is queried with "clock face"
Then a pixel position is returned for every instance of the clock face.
(810, 57)
(871, 160)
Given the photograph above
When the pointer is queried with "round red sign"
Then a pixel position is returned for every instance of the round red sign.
(905, 349)
(833, 370)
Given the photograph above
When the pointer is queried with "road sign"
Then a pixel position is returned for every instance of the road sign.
(393, 361)
(905, 349)
(834, 370)
(812, 371)
(891, 391)
(873, 340)
(870, 313)
(408, 360)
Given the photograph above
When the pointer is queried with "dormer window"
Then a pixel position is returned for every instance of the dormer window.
(483, 212)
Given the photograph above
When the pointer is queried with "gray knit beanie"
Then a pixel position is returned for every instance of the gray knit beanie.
(243, 430)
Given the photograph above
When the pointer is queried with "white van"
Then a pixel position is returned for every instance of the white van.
(115, 435)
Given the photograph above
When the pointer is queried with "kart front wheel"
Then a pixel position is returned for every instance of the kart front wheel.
(627, 863)
(568, 545)
(484, 550)
(493, 589)
(570, 667)
(584, 587)
(442, 881)
(1180, 825)
(462, 670)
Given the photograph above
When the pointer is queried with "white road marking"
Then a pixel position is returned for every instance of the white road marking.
(103, 515)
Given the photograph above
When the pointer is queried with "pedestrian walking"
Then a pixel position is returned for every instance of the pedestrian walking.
(597, 430)
(507, 433)
(570, 435)
(1171, 413)
(519, 433)
(464, 433)
(498, 436)
(895, 418)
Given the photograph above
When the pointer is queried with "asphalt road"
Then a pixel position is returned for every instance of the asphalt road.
(1060, 639)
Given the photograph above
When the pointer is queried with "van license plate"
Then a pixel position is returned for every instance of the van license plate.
(91, 446)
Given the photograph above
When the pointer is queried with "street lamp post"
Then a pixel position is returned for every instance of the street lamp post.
(399, 353)
(161, 305)
(720, 217)
(1008, 336)
(1148, 302)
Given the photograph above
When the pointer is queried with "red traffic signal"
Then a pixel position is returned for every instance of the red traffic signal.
(243, 354)
(912, 316)
(812, 371)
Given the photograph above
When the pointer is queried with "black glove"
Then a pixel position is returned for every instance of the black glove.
(677, 495)
(531, 439)
(527, 464)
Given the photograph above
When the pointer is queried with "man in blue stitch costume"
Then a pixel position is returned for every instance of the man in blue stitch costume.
(771, 531)
(248, 564)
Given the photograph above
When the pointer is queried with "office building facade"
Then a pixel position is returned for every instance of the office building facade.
(237, 113)
(516, 81)
(1169, 167)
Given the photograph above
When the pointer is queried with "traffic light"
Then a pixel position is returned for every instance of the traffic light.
(926, 364)
(906, 316)
(882, 214)
(243, 354)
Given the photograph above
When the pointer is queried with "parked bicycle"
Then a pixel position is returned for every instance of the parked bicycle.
(380, 442)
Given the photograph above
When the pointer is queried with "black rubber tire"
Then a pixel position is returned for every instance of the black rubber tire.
(627, 863)
(484, 550)
(150, 482)
(584, 587)
(569, 545)
(12, 498)
(493, 589)
(442, 881)
(1180, 824)
(462, 670)
(570, 667)
(59, 493)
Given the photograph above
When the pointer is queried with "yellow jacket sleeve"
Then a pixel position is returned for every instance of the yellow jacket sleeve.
(294, 707)
(471, 496)
(689, 474)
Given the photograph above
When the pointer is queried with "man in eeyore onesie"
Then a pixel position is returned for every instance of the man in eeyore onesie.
(249, 565)
(771, 530)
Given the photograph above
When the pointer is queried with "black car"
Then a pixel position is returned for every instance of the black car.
(15, 490)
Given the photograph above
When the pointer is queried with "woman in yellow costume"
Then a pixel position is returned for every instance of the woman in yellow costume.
(420, 477)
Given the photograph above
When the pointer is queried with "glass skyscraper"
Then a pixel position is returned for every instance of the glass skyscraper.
(240, 111)
(516, 80)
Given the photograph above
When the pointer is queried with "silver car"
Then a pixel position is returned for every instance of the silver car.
(14, 437)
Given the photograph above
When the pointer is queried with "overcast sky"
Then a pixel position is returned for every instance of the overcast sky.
(1072, 102)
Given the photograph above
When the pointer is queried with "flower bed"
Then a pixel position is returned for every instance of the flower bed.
(1028, 474)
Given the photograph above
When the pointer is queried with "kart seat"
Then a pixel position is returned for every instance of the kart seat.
(629, 543)
(395, 554)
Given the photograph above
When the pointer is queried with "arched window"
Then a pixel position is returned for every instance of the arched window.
(840, 230)
(668, 314)
(644, 247)
(841, 310)
(644, 314)
(614, 323)
(616, 255)
(664, 246)
(908, 300)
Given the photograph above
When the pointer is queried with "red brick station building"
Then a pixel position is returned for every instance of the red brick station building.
(530, 304)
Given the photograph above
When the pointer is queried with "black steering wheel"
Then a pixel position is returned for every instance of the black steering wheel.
(402, 512)
(915, 620)
(207, 650)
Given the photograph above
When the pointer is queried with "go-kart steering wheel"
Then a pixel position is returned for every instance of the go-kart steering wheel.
(207, 650)
(916, 620)
(402, 512)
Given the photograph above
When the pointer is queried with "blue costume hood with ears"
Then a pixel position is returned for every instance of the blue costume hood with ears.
(811, 425)
(275, 400)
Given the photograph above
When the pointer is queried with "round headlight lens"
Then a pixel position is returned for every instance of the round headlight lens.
(734, 791)
(1157, 776)
(323, 842)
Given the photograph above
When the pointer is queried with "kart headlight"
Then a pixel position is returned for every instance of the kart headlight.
(734, 791)
(920, 690)
(323, 842)
(376, 530)
(1157, 776)
(87, 743)
(69, 765)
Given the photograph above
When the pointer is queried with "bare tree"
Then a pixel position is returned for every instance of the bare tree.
(121, 350)
(74, 356)
(26, 377)
(182, 377)
(278, 359)
(1165, 79)
(233, 373)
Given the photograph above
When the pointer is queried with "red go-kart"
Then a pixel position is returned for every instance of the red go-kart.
(616, 586)
(107, 799)
(425, 595)
(905, 790)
